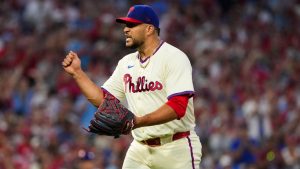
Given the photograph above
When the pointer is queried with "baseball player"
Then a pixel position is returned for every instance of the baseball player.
(156, 81)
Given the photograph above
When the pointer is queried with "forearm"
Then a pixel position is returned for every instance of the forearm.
(162, 115)
(90, 90)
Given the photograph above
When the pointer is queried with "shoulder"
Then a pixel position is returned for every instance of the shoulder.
(173, 54)
(128, 58)
(172, 51)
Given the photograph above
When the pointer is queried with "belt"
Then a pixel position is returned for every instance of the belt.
(163, 140)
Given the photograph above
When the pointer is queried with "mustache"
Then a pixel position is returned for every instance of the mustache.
(127, 36)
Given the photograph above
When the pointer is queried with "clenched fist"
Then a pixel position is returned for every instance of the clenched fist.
(71, 63)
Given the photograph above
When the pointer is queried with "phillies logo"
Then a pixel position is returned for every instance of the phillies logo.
(130, 10)
(142, 84)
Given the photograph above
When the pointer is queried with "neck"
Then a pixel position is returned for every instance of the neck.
(149, 48)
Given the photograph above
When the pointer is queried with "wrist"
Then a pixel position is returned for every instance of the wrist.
(77, 74)
(137, 122)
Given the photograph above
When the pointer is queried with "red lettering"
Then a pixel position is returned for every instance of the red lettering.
(158, 85)
(138, 85)
(144, 84)
(127, 78)
(141, 85)
(151, 86)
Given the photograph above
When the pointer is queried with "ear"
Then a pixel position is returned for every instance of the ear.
(150, 30)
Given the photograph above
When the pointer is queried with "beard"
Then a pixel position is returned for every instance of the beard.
(134, 44)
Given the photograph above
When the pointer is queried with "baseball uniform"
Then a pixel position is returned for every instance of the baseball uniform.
(146, 86)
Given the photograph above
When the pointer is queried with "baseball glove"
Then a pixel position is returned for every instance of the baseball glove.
(111, 118)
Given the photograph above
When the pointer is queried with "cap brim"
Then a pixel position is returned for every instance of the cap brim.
(128, 20)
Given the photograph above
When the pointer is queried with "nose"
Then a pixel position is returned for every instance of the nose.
(126, 29)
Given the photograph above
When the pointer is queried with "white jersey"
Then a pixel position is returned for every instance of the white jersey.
(147, 86)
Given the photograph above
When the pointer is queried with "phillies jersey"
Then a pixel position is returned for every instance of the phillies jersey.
(147, 85)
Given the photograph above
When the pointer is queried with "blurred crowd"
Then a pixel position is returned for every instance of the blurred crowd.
(246, 63)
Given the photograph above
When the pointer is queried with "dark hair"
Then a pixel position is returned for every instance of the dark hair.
(158, 30)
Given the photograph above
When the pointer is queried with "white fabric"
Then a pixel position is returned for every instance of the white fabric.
(168, 73)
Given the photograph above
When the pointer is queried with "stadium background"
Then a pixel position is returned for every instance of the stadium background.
(246, 60)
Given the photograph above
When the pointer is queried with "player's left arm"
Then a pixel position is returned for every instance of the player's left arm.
(162, 115)
(175, 108)
(179, 89)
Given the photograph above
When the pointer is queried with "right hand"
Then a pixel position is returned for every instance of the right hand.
(72, 63)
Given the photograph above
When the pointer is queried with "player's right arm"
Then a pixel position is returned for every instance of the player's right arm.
(90, 90)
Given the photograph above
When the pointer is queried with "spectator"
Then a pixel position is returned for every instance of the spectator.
(291, 152)
(243, 148)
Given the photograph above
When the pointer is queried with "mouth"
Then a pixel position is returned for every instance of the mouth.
(128, 38)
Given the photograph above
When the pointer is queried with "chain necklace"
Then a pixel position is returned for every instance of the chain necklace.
(145, 64)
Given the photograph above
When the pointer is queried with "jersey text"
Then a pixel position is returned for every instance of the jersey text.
(142, 84)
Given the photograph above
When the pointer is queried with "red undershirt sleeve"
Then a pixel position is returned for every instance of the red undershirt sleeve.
(179, 104)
